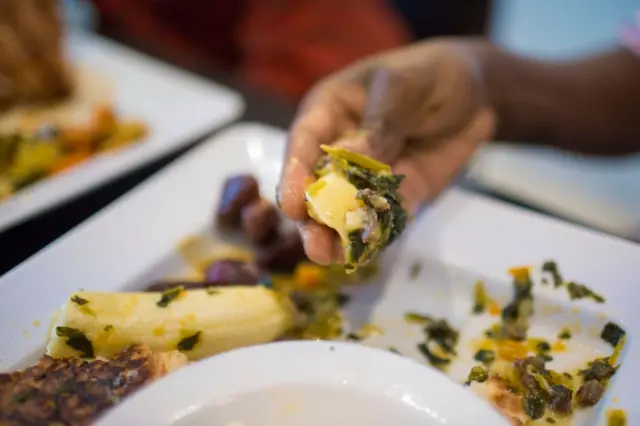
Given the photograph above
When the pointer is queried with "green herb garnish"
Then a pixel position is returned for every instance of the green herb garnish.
(169, 295)
(580, 291)
(612, 333)
(79, 300)
(565, 334)
(416, 267)
(485, 356)
(480, 298)
(77, 340)
(190, 342)
(416, 318)
(477, 374)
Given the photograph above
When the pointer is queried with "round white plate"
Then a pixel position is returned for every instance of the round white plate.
(304, 383)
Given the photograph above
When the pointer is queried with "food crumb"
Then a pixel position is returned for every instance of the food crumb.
(494, 309)
(559, 346)
(616, 418)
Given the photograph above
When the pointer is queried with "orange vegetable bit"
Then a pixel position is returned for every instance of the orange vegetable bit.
(68, 161)
(308, 276)
(104, 120)
(78, 138)
(520, 273)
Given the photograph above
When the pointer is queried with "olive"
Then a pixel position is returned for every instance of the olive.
(560, 399)
(590, 393)
(260, 221)
(282, 255)
(238, 192)
(231, 272)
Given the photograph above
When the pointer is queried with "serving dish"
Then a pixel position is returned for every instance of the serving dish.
(311, 383)
(177, 108)
(459, 239)
(602, 193)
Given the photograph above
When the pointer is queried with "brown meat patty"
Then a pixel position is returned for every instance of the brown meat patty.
(74, 391)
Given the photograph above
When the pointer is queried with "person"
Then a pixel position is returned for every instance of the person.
(426, 108)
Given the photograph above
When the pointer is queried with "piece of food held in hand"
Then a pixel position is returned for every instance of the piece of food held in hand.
(197, 323)
(357, 197)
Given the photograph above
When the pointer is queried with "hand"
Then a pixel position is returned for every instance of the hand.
(422, 109)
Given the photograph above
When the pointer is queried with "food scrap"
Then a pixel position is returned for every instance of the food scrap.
(356, 196)
(33, 152)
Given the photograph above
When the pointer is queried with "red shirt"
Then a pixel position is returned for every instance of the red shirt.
(282, 45)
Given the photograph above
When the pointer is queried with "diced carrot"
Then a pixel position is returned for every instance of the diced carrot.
(68, 161)
(308, 276)
(520, 273)
(494, 309)
(78, 138)
(104, 120)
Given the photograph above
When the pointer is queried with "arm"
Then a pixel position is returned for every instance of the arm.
(590, 106)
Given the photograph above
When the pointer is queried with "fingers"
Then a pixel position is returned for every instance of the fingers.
(321, 244)
(429, 171)
(324, 116)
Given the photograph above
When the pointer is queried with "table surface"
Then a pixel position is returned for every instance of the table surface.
(24, 240)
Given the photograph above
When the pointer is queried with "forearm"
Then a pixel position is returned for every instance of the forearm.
(590, 106)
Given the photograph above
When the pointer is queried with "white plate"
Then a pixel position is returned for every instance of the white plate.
(177, 106)
(460, 238)
(601, 193)
(304, 383)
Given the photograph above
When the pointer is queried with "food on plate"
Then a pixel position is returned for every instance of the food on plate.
(31, 153)
(198, 323)
(514, 373)
(32, 65)
(260, 221)
(75, 391)
(237, 193)
(439, 346)
(356, 196)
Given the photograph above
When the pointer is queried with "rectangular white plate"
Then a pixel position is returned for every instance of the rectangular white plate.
(600, 193)
(460, 238)
(178, 107)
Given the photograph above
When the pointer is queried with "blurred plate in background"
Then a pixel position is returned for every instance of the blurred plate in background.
(176, 106)
(600, 193)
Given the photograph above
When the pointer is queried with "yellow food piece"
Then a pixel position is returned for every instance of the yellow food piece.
(224, 319)
(33, 158)
(329, 200)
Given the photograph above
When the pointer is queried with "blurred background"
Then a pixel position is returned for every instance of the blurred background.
(272, 51)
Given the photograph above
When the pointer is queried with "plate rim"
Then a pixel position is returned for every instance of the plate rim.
(334, 363)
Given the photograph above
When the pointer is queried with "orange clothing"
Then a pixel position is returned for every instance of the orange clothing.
(290, 44)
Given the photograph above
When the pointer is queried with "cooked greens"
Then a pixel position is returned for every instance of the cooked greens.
(356, 196)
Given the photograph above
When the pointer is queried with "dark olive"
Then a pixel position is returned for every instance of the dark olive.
(560, 401)
(282, 255)
(590, 393)
(238, 192)
(260, 221)
(231, 272)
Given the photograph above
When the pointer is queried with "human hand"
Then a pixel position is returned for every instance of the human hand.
(422, 109)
